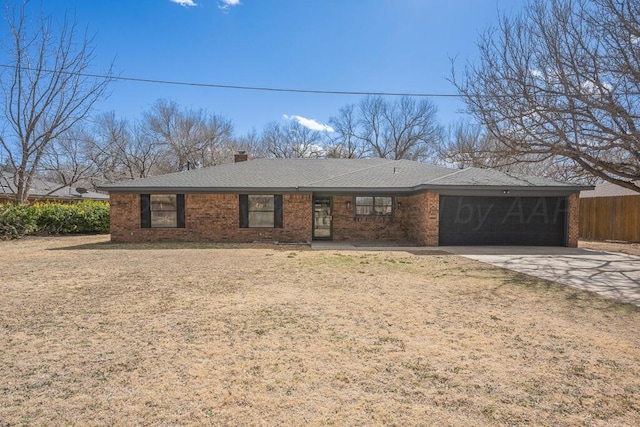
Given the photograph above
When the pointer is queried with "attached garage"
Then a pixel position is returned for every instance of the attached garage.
(504, 221)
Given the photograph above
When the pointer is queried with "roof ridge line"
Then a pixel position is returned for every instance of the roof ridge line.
(346, 173)
(523, 178)
(448, 175)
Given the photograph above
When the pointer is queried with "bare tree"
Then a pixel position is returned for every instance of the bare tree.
(167, 139)
(345, 142)
(562, 81)
(67, 159)
(250, 143)
(403, 129)
(470, 145)
(45, 89)
(191, 138)
(120, 150)
(291, 141)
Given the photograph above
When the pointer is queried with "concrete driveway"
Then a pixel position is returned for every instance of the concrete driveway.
(610, 274)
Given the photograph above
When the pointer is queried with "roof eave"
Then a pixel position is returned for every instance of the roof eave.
(360, 190)
(178, 189)
(531, 188)
(343, 190)
(334, 190)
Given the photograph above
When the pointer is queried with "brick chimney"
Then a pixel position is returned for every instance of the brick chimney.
(242, 156)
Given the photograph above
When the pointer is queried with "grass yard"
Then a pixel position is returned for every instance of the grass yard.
(93, 333)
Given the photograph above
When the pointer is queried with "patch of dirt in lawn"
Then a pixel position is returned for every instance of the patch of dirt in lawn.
(99, 334)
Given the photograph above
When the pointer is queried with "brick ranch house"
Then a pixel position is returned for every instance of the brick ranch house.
(300, 200)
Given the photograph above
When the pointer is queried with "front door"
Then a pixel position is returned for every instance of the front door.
(322, 217)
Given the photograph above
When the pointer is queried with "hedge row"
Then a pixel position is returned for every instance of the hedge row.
(53, 218)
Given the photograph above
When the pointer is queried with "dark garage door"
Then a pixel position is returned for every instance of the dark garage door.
(522, 221)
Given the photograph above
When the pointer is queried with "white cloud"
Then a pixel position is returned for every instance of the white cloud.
(222, 4)
(536, 74)
(226, 4)
(309, 123)
(596, 87)
(184, 2)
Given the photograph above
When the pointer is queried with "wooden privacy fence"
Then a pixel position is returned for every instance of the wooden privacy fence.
(610, 218)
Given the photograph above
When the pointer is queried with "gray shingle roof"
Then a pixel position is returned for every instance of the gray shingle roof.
(43, 189)
(332, 175)
(608, 190)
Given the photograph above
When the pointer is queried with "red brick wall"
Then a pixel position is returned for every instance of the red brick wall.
(210, 217)
(347, 226)
(215, 217)
(573, 227)
(416, 220)
(422, 219)
(124, 217)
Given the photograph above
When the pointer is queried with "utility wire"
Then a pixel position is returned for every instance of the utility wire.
(238, 87)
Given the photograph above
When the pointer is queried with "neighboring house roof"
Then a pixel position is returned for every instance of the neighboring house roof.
(43, 189)
(608, 190)
(334, 175)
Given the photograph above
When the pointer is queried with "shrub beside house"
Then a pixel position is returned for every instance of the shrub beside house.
(53, 218)
(51, 209)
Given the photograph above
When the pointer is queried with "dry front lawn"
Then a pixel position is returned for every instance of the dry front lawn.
(93, 333)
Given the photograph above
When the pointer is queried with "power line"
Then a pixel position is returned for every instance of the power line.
(239, 87)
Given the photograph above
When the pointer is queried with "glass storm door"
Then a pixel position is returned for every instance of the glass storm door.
(322, 218)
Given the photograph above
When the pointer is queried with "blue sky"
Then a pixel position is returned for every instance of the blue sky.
(349, 45)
